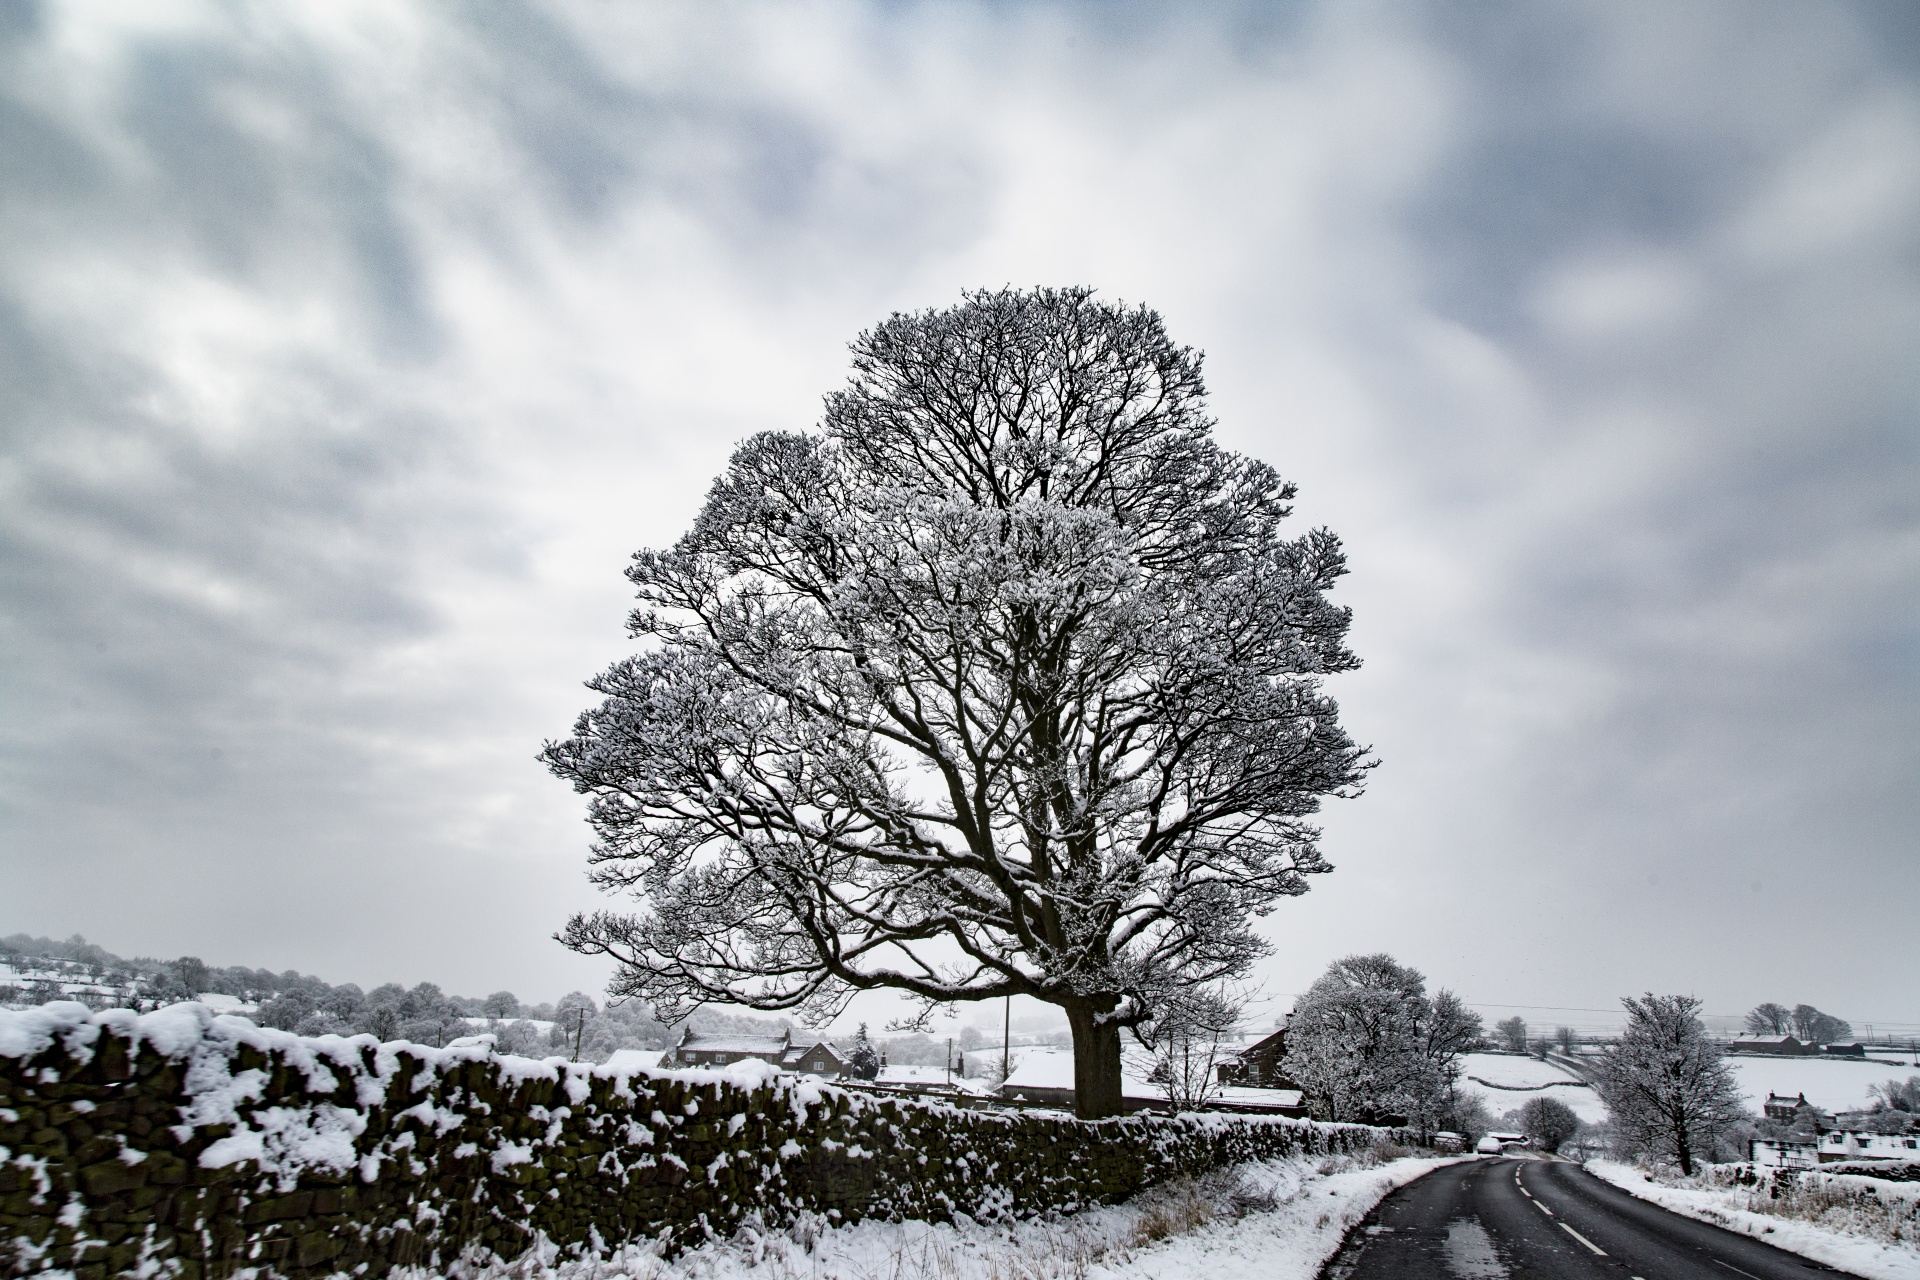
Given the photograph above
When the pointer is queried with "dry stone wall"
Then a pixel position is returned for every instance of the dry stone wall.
(187, 1144)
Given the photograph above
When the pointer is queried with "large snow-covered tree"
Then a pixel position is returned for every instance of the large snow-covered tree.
(1665, 1084)
(1004, 682)
(1365, 1042)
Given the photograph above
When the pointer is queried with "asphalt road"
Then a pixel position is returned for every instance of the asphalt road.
(1493, 1219)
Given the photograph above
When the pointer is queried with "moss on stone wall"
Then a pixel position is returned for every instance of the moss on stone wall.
(202, 1145)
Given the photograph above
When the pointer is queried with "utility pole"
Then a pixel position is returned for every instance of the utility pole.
(949, 1062)
(579, 1026)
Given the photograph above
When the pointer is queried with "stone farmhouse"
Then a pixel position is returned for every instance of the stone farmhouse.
(1784, 1109)
(1773, 1046)
(1258, 1065)
(814, 1058)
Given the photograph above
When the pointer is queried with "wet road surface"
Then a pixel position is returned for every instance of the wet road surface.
(1495, 1219)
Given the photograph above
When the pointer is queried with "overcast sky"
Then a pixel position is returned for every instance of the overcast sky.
(347, 350)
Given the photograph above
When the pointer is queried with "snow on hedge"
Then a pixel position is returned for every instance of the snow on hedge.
(136, 1141)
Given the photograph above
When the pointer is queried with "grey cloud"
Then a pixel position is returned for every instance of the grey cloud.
(339, 379)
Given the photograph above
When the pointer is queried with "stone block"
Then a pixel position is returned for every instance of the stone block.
(280, 1208)
(111, 1177)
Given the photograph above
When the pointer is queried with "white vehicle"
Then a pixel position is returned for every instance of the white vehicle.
(1495, 1143)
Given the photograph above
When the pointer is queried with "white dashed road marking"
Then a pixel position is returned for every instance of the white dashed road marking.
(1583, 1240)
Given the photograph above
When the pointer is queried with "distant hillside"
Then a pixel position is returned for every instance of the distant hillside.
(36, 970)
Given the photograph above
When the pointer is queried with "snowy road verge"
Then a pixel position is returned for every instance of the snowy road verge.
(1839, 1239)
(1274, 1220)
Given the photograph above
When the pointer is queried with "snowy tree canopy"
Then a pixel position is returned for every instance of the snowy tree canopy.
(1004, 683)
(1365, 1042)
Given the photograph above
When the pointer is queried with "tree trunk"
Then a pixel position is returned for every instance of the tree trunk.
(1684, 1145)
(1096, 1063)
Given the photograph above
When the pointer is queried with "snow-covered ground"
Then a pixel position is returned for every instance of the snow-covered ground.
(1832, 1084)
(1508, 1081)
(1052, 1069)
(1854, 1252)
(1275, 1220)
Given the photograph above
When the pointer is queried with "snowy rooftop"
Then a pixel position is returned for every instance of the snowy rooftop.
(631, 1059)
(1259, 1097)
(925, 1077)
(734, 1044)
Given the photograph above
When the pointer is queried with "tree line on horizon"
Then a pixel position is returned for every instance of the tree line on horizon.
(1803, 1022)
(574, 1025)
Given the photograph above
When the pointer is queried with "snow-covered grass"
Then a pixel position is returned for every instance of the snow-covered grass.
(1507, 1081)
(1859, 1225)
(1832, 1084)
(1275, 1220)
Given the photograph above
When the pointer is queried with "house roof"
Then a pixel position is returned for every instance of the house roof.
(733, 1044)
(798, 1051)
(1272, 1042)
(927, 1078)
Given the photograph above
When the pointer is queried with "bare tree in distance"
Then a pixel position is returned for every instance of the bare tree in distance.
(1513, 1033)
(1565, 1039)
(1665, 1084)
(1770, 1019)
(1005, 683)
(1186, 1035)
(1815, 1027)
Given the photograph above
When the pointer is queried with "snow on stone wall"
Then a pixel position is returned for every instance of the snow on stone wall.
(187, 1143)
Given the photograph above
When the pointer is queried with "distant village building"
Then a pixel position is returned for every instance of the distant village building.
(1776, 1046)
(1858, 1144)
(1853, 1050)
(1784, 1109)
(818, 1058)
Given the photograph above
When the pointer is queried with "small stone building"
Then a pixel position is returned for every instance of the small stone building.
(814, 1058)
(1258, 1065)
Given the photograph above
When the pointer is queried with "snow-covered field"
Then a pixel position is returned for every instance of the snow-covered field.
(1832, 1084)
(1855, 1251)
(1507, 1081)
(1275, 1220)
